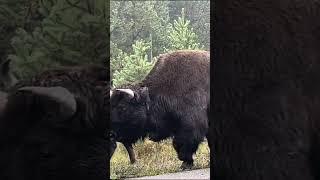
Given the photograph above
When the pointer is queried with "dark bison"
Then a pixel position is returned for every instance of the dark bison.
(54, 126)
(170, 102)
(266, 93)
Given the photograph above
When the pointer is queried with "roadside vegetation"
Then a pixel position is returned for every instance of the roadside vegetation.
(153, 159)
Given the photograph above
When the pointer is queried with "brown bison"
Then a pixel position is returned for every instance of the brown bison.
(171, 101)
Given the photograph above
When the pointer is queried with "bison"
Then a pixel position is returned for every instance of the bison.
(171, 101)
(265, 120)
(54, 126)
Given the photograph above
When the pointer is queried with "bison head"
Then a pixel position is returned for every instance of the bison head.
(129, 106)
(129, 113)
(37, 139)
(7, 79)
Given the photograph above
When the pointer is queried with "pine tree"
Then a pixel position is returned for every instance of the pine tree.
(16, 14)
(117, 61)
(134, 20)
(136, 65)
(72, 32)
(198, 13)
(182, 36)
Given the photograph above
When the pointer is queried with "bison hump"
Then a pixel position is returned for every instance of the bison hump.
(179, 72)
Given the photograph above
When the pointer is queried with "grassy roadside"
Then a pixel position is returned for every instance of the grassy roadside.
(153, 159)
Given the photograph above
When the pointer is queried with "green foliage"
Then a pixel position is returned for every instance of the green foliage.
(181, 36)
(135, 67)
(150, 22)
(30, 54)
(72, 32)
(38, 34)
(134, 20)
(117, 58)
(16, 14)
(197, 12)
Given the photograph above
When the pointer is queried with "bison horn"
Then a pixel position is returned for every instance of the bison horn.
(128, 91)
(62, 96)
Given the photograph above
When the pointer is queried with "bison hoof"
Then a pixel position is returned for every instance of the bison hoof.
(186, 166)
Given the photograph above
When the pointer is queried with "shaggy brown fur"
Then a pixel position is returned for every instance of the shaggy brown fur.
(173, 105)
(265, 108)
(193, 72)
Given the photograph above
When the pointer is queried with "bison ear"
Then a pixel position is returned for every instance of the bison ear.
(53, 99)
(144, 91)
(144, 96)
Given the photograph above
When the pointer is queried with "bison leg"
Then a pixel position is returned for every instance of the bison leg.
(113, 144)
(130, 151)
(113, 147)
(185, 147)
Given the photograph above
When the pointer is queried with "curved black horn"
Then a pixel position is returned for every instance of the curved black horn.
(64, 98)
(127, 91)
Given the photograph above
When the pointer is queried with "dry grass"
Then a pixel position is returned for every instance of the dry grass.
(153, 159)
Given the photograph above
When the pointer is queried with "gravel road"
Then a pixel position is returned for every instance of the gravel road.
(194, 174)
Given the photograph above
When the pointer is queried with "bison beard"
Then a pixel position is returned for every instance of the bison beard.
(265, 111)
(170, 102)
(54, 126)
